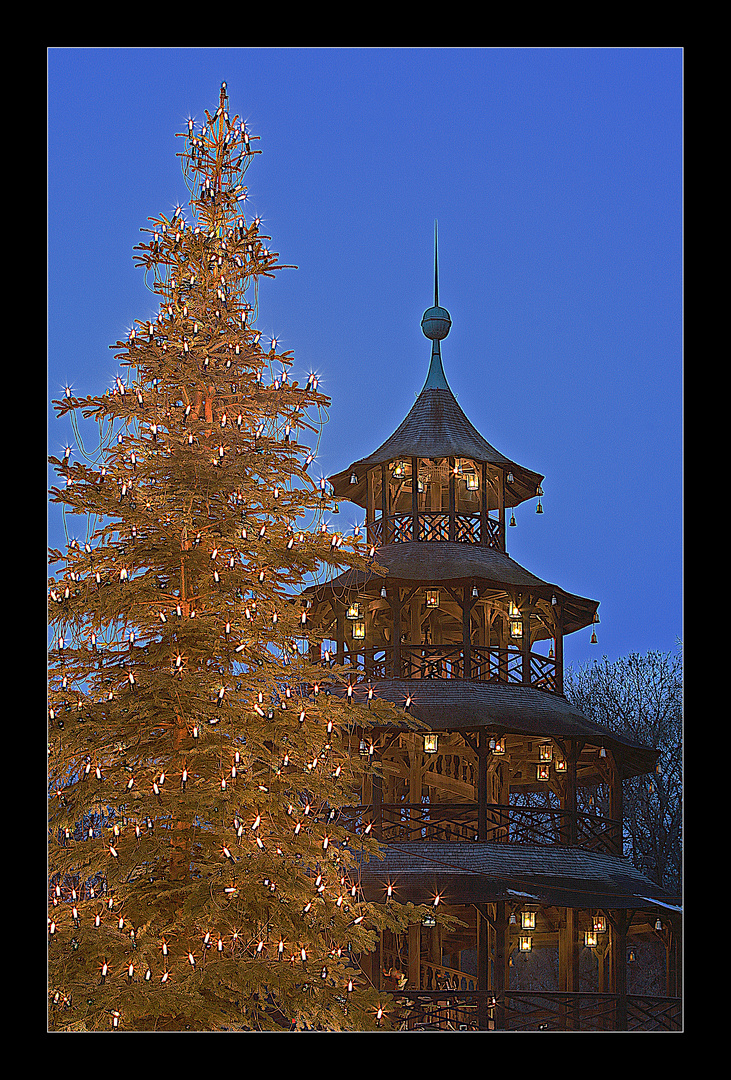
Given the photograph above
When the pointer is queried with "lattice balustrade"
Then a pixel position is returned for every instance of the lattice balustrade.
(467, 528)
(542, 672)
(401, 528)
(486, 664)
(433, 525)
(445, 822)
(432, 662)
(534, 1010)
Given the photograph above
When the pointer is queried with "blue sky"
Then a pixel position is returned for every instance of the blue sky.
(556, 178)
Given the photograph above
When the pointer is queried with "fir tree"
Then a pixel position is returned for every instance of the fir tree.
(201, 875)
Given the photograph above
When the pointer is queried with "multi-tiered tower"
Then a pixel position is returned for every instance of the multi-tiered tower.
(491, 807)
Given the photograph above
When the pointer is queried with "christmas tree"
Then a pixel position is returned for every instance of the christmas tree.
(202, 874)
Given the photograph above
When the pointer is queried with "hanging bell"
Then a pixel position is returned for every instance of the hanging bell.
(593, 639)
(539, 508)
(512, 519)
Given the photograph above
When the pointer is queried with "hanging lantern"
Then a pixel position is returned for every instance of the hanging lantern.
(590, 939)
(399, 469)
(560, 764)
(545, 752)
(658, 923)
(430, 743)
(475, 592)
(528, 920)
(353, 478)
(543, 771)
(473, 481)
(632, 956)
(526, 943)
(353, 611)
(599, 924)
(432, 598)
(512, 920)
(359, 630)
(512, 518)
(539, 508)
(499, 747)
(593, 639)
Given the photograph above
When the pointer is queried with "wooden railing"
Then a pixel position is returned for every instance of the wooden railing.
(437, 525)
(514, 1010)
(479, 663)
(445, 822)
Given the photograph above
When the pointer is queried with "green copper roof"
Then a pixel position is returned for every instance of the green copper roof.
(435, 379)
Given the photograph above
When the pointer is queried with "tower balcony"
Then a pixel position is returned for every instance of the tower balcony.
(440, 822)
(486, 664)
(426, 525)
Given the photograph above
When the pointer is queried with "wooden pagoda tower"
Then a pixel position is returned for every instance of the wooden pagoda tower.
(488, 807)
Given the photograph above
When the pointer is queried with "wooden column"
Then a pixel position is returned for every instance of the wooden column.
(414, 972)
(340, 634)
(415, 619)
(414, 498)
(376, 803)
(467, 632)
(500, 960)
(482, 757)
(569, 830)
(483, 965)
(558, 638)
(673, 977)
(435, 488)
(502, 648)
(484, 505)
(525, 644)
(568, 963)
(616, 801)
(416, 763)
(452, 499)
(370, 504)
(395, 600)
(501, 507)
(602, 951)
(619, 922)
(385, 525)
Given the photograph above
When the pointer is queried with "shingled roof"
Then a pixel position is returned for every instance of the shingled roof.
(456, 562)
(468, 705)
(436, 427)
(483, 872)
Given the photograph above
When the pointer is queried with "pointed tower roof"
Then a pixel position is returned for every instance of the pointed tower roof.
(436, 426)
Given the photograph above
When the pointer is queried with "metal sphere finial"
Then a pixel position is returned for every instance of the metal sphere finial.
(436, 322)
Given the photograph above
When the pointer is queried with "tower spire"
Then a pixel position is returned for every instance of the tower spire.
(436, 324)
